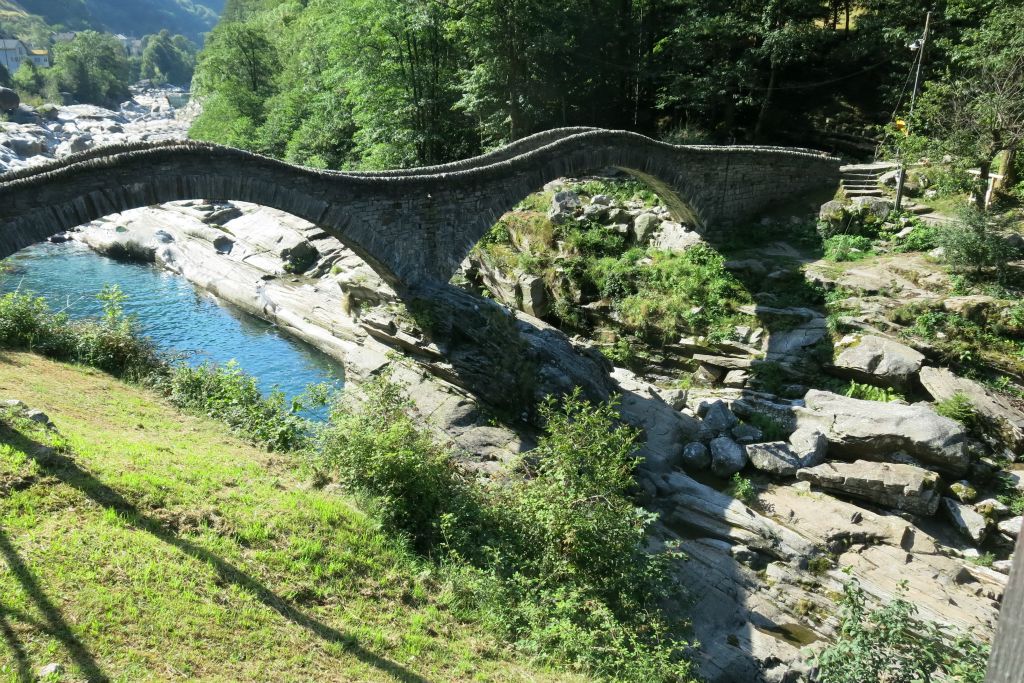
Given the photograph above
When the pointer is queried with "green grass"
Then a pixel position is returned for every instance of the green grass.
(142, 544)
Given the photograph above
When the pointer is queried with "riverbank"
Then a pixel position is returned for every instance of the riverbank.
(124, 555)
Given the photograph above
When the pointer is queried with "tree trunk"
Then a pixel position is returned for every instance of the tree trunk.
(1008, 169)
(982, 190)
(766, 104)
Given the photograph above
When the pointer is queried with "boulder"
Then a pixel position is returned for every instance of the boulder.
(719, 418)
(736, 379)
(966, 520)
(744, 433)
(563, 206)
(998, 416)
(973, 307)
(963, 491)
(1011, 527)
(872, 430)
(727, 456)
(696, 456)
(875, 208)
(644, 227)
(533, 298)
(9, 99)
(810, 445)
(902, 487)
(775, 457)
(879, 361)
(789, 344)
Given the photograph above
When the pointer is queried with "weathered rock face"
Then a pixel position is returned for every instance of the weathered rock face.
(564, 206)
(902, 487)
(1000, 418)
(966, 520)
(727, 457)
(879, 361)
(776, 458)
(875, 431)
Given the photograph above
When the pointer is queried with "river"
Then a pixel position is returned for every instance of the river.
(172, 312)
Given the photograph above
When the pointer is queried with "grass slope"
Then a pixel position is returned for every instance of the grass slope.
(142, 544)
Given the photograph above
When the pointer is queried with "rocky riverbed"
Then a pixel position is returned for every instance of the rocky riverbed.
(892, 493)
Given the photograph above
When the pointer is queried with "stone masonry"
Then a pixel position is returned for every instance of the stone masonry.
(414, 227)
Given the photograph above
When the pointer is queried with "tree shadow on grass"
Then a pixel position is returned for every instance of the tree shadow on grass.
(67, 471)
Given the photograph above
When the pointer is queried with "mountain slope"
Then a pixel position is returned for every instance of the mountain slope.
(138, 543)
(130, 17)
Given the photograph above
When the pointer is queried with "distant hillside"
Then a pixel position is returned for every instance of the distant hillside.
(130, 17)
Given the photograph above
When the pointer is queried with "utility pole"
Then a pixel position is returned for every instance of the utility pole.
(919, 46)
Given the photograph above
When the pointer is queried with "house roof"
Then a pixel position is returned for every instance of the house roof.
(10, 44)
(40, 52)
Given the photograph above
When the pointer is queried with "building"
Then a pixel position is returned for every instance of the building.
(12, 54)
(40, 58)
(132, 46)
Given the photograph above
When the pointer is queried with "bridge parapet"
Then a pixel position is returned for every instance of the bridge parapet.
(414, 226)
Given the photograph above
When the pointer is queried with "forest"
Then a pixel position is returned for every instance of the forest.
(374, 84)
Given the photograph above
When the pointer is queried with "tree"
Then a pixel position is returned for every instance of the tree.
(240, 66)
(168, 59)
(29, 79)
(976, 110)
(93, 68)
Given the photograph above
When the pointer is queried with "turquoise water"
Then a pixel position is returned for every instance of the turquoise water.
(172, 312)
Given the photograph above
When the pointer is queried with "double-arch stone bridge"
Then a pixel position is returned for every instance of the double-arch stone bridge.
(412, 226)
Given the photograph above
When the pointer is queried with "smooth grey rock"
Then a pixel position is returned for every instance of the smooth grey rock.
(644, 227)
(1002, 566)
(563, 206)
(674, 237)
(1011, 527)
(38, 416)
(991, 507)
(966, 520)
(13, 404)
(744, 433)
(736, 379)
(775, 457)
(999, 417)
(719, 418)
(810, 445)
(790, 344)
(879, 361)
(876, 207)
(873, 430)
(51, 669)
(902, 487)
(727, 457)
(696, 456)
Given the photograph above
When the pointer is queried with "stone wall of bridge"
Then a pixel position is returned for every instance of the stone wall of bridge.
(413, 227)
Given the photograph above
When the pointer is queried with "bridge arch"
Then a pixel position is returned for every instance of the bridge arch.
(413, 227)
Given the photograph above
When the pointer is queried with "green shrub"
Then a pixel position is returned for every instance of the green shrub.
(111, 343)
(973, 245)
(553, 558)
(742, 488)
(867, 392)
(890, 645)
(924, 237)
(847, 248)
(959, 407)
(229, 395)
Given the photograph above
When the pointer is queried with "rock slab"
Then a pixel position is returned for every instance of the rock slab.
(902, 487)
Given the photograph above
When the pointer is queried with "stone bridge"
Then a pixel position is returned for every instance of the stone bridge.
(412, 226)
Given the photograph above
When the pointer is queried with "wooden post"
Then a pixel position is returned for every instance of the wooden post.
(1006, 664)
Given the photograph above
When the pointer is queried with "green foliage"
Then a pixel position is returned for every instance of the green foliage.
(742, 488)
(847, 248)
(111, 344)
(1009, 495)
(770, 427)
(553, 559)
(620, 191)
(973, 245)
(92, 67)
(867, 392)
(672, 293)
(228, 394)
(168, 59)
(889, 644)
(923, 238)
(960, 408)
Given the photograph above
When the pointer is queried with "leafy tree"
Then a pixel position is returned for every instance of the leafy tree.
(976, 110)
(30, 79)
(168, 59)
(93, 68)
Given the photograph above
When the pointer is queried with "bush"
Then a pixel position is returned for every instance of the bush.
(959, 407)
(847, 248)
(111, 343)
(867, 392)
(742, 488)
(889, 645)
(973, 245)
(231, 396)
(924, 237)
(554, 559)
